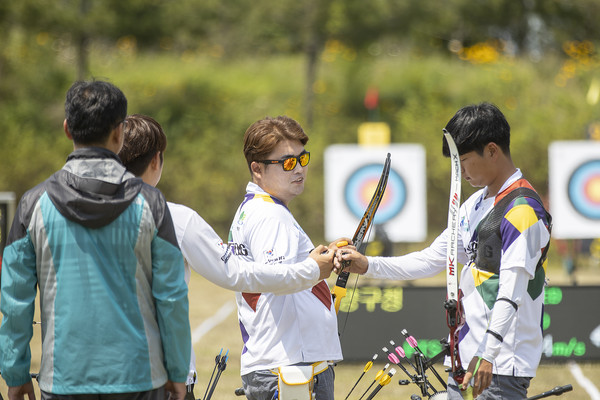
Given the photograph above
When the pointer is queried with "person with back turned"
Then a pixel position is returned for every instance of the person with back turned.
(100, 245)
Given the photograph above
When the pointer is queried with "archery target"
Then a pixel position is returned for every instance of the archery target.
(361, 185)
(584, 189)
(351, 176)
(574, 172)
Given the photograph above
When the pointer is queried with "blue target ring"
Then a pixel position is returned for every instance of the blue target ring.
(361, 185)
(584, 189)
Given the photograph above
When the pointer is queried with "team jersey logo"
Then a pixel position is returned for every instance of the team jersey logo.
(471, 249)
(226, 256)
(272, 258)
(237, 249)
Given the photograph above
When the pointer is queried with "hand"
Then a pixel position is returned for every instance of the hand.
(19, 392)
(358, 262)
(341, 243)
(175, 390)
(483, 376)
(324, 258)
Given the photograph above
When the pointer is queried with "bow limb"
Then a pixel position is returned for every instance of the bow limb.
(453, 304)
(339, 291)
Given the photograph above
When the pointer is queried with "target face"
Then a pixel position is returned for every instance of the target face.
(584, 189)
(360, 187)
(351, 176)
(574, 177)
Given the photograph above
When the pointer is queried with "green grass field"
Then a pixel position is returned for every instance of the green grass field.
(206, 299)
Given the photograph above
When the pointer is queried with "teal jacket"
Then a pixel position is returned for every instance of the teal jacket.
(100, 246)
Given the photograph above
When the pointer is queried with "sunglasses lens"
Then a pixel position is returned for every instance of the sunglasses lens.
(289, 163)
(304, 158)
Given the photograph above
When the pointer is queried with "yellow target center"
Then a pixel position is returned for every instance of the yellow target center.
(592, 190)
(368, 191)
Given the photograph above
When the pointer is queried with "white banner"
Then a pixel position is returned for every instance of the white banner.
(574, 183)
(351, 175)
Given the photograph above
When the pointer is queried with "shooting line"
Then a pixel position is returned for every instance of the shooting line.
(583, 381)
(211, 322)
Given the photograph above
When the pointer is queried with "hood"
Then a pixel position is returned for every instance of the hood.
(93, 188)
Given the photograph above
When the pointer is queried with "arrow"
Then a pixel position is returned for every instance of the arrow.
(384, 381)
(217, 358)
(400, 351)
(394, 359)
(222, 364)
(377, 376)
(366, 368)
(412, 342)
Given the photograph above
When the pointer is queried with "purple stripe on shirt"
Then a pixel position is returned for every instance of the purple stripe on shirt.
(245, 336)
(509, 232)
(250, 196)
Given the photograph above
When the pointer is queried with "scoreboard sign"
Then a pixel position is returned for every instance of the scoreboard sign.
(377, 315)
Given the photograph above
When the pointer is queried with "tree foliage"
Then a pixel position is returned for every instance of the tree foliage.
(208, 69)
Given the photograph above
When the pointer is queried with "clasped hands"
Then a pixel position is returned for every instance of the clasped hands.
(340, 255)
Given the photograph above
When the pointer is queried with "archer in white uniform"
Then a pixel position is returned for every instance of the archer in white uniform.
(204, 252)
(503, 278)
(279, 330)
(202, 249)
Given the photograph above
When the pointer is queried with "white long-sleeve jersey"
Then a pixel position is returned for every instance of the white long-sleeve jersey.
(204, 252)
(277, 329)
(517, 323)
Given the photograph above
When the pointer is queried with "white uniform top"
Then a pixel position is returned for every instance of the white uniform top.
(204, 251)
(279, 330)
(524, 235)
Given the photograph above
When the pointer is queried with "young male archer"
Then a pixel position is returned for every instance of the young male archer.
(504, 234)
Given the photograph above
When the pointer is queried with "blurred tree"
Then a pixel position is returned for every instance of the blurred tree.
(5, 26)
(80, 23)
(207, 69)
(264, 27)
(526, 27)
(569, 19)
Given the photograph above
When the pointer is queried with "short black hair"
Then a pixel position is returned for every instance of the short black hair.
(93, 109)
(474, 126)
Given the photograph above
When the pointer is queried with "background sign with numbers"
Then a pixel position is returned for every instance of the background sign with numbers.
(377, 315)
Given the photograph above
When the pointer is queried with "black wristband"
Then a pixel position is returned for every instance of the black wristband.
(496, 335)
(509, 301)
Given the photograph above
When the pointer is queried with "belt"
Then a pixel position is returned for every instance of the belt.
(320, 366)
